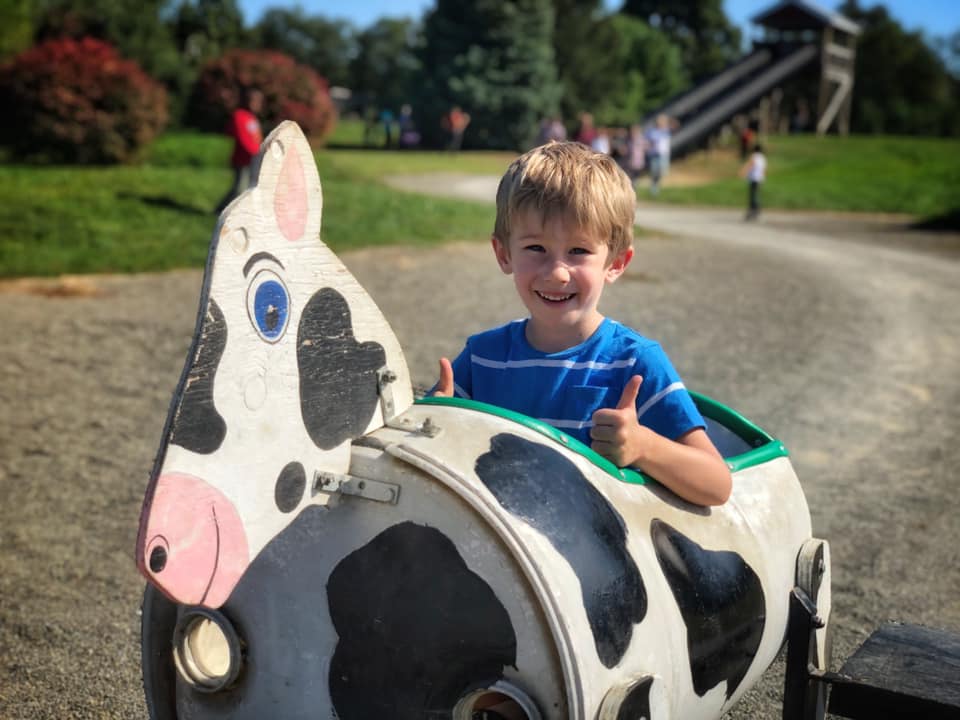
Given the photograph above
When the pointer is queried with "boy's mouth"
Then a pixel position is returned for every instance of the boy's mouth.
(554, 297)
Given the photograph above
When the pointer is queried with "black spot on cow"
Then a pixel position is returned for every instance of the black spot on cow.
(636, 705)
(722, 604)
(546, 490)
(416, 628)
(198, 426)
(338, 375)
(289, 488)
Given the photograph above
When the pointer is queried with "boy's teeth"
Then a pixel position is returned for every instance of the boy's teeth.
(554, 298)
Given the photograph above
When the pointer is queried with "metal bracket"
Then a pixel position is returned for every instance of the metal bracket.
(334, 483)
(427, 427)
(385, 377)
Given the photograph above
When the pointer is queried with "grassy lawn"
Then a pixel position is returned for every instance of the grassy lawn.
(916, 176)
(157, 216)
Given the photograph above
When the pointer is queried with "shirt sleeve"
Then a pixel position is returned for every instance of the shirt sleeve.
(664, 405)
(462, 377)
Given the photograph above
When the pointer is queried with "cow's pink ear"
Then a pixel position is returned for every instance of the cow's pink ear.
(290, 204)
(289, 184)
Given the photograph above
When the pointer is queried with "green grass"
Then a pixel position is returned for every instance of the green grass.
(157, 216)
(915, 176)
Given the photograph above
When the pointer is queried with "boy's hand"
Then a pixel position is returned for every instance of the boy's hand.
(445, 386)
(616, 432)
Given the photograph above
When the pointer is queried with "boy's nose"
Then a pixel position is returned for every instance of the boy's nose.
(557, 271)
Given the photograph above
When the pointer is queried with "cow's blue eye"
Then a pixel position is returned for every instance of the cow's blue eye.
(268, 304)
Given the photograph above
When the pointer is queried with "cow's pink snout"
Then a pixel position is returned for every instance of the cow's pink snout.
(193, 546)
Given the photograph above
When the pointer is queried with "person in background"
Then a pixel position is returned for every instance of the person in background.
(755, 171)
(455, 123)
(587, 131)
(244, 128)
(658, 152)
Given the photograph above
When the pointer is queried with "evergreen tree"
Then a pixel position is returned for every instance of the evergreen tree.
(495, 59)
(707, 39)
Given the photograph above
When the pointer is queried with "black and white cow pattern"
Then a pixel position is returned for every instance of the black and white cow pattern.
(544, 489)
(719, 596)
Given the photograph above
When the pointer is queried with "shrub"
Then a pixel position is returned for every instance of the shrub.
(290, 92)
(78, 101)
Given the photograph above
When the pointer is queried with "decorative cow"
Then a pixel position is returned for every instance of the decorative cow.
(318, 545)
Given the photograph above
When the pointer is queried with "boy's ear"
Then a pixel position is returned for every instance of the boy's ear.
(619, 264)
(502, 251)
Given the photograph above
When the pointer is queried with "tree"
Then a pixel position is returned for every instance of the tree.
(647, 69)
(708, 41)
(495, 59)
(588, 77)
(901, 84)
(386, 66)
(16, 27)
(325, 45)
(205, 29)
(135, 27)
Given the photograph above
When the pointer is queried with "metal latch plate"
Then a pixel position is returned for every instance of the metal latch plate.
(377, 490)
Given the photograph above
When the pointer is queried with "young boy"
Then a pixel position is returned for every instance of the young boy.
(564, 229)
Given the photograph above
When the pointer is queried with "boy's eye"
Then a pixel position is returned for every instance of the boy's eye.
(534, 247)
(580, 251)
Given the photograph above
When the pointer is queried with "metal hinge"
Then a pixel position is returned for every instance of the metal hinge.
(333, 483)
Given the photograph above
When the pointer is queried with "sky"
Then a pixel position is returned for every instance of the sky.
(933, 17)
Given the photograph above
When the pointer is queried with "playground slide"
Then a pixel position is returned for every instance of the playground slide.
(703, 109)
(688, 101)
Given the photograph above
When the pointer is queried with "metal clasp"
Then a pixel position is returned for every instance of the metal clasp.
(330, 483)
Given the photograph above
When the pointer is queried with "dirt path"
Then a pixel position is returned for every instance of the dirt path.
(845, 350)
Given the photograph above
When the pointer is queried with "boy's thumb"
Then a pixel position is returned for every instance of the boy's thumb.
(630, 391)
(445, 386)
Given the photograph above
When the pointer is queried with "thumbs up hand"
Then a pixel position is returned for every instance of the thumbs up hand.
(444, 387)
(616, 432)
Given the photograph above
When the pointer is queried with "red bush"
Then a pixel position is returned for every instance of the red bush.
(290, 92)
(78, 101)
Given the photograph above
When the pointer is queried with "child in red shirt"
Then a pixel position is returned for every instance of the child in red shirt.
(245, 130)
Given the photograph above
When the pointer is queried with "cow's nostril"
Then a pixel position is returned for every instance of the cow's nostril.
(158, 558)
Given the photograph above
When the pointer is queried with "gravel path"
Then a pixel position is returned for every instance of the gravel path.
(837, 341)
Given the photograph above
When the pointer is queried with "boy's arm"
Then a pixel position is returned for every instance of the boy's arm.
(690, 466)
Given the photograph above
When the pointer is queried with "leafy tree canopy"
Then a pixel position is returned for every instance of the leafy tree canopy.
(312, 40)
(901, 85)
(648, 71)
(385, 68)
(707, 39)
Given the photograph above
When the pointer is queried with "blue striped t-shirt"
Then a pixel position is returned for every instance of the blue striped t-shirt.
(565, 388)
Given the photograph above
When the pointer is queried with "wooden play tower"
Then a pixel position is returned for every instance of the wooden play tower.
(798, 22)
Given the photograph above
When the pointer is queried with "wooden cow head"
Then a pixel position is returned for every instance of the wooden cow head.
(287, 365)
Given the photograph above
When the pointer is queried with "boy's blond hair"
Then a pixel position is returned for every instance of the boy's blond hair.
(569, 178)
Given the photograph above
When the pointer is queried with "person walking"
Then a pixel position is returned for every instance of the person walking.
(755, 171)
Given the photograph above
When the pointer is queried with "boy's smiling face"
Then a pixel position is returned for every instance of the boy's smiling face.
(559, 270)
